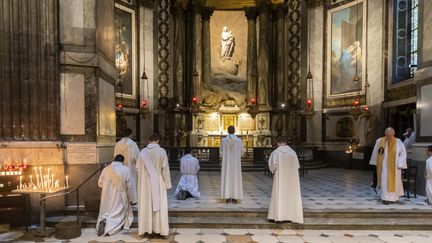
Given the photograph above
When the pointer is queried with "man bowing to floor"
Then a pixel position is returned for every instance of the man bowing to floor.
(286, 201)
(389, 157)
(153, 182)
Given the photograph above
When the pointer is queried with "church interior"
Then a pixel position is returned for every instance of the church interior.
(328, 75)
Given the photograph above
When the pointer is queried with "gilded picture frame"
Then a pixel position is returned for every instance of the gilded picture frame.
(125, 50)
(346, 49)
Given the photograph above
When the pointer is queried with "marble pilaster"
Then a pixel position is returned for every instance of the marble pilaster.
(178, 51)
(280, 12)
(206, 48)
(264, 51)
(197, 66)
(251, 14)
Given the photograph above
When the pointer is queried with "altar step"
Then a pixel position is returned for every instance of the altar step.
(314, 220)
(208, 166)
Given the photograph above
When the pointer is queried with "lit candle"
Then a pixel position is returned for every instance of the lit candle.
(52, 180)
(67, 181)
(56, 184)
(37, 180)
(20, 186)
(31, 180)
(41, 175)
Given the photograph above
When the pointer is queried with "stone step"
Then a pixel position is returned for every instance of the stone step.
(331, 223)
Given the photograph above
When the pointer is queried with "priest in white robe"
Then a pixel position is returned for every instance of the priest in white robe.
(286, 201)
(231, 150)
(130, 151)
(153, 182)
(389, 157)
(428, 174)
(189, 167)
(115, 210)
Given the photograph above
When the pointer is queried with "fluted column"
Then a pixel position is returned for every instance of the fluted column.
(206, 48)
(280, 11)
(263, 51)
(251, 68)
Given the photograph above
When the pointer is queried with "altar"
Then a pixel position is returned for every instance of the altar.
(210, 127)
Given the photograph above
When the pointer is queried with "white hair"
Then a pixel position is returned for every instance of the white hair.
(389, 130)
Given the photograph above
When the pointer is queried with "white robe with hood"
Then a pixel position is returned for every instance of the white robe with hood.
(428, 175)
(150, 221)
(286, 201)
(130, 151)
(115, 205)
(189, 167)
(231, 151)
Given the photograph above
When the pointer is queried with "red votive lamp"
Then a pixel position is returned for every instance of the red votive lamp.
(309, 103)
(253, 101)
(195, 100)
(356, 103)
(144, 103)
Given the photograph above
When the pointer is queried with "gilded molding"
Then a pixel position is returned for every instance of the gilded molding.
(403, 92)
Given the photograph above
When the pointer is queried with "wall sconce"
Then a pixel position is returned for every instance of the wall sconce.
(253, 108)
(356, 111)
(119, 89)
(309, 111)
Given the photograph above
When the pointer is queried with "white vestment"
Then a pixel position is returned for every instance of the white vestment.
(428, 175)
(130, 151)
(115, 208)
(150, 221)
(189, 167)
(286, 201)
(400, 164)
(231, 151)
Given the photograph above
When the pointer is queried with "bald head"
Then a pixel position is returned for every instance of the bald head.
(389, 133)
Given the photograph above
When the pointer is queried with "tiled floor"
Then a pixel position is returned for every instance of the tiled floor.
(324, 189)
(253, 235)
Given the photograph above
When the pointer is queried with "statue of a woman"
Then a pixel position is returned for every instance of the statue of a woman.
(227, 48)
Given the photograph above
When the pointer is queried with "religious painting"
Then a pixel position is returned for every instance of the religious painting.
(341, 127)
(228, 120)
(125, 53)
(346, 40)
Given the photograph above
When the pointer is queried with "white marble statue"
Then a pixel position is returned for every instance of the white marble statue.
(227, 48)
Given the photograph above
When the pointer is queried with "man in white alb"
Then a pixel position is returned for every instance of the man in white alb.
(286, 201)
(130, 151)
(428, 174)
(188, 183)
(231, 150)
(389, 157)
(115, 210)
(153, 182)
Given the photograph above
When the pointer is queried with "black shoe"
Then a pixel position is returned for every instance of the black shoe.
(227, 200)
(101, 228)
(386, 202)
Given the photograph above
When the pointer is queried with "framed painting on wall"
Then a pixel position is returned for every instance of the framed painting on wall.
(346, 49)
(125, 50)
(228, 120)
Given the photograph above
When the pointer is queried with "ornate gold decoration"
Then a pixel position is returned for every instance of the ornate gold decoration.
(234, 4)
(163, 52)
(403, 92)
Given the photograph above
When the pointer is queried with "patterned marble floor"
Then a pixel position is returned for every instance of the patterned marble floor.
(323, 189)
(245, 236)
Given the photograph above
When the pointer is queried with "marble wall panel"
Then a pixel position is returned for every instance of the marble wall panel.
(71, 22)
(316, 23)
(72, 104)
(425, 107)
(106, 104)
(426, 44)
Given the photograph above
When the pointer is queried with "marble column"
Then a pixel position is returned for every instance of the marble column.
(179, 51)
(197, 65)
(264, 51)
(251, 14)
(206, 48)
(280, 12)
